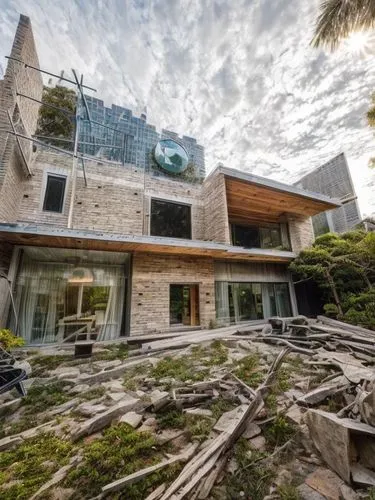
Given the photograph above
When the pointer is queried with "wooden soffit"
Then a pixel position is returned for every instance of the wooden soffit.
(112, 243)
(249, 202)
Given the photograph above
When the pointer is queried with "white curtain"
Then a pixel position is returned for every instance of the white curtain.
(222, 302)
(40, 288)
(110, 330)
(41, 294)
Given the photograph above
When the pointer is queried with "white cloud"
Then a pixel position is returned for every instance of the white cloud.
(239, 76)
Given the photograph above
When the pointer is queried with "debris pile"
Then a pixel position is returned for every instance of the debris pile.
(278, 410)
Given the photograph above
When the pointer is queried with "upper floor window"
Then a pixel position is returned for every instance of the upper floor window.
(170, 219)
(54, 194)
(269, 236)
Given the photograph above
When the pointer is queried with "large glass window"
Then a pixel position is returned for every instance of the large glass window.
(64, 296)
(54, 194)
(170, 219)
(269, 236)
(237, 302)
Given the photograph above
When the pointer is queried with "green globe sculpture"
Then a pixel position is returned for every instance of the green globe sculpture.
(171, 156)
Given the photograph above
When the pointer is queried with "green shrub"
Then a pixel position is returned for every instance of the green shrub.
(360, 309)
(8, 340)
(331, 310)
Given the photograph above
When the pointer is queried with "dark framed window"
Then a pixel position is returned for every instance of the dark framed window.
(54, 194)
(170, 219)
(257, 237)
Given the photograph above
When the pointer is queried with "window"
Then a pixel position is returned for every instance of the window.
(237, 301)
(54, 194)
(170, 219)
(258, 237)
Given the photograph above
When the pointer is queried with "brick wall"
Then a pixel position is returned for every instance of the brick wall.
(215, 209)
(113, 200)
(300, 231)
(151, 277)
(24, 113)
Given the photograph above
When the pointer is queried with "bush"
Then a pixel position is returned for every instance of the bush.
(360, 309)
(331, 310)
(8, 340)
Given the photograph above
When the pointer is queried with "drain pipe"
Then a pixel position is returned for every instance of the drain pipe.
(74, 165)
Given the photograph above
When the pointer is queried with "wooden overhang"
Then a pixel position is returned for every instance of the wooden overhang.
(44, 236)
(253, 199)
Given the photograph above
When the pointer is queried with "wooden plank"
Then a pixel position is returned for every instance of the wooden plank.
(119, 484)
(346, 326)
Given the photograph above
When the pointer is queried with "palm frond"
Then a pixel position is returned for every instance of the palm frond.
(339, 18)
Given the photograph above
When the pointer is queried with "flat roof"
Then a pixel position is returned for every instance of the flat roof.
(44, 235)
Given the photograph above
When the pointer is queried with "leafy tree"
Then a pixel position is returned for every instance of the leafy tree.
(343, 266)
(338, 18)
(55, 123)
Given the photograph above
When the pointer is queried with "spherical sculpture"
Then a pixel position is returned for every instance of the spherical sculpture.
(171, 156)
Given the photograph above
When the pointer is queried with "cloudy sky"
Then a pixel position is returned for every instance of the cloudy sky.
(239, 75)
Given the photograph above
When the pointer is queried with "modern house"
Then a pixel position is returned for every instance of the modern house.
(113, 250)
(333, 179)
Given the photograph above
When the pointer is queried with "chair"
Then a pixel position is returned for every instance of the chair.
(9, 376)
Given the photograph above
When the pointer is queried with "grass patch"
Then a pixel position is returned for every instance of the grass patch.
(31, 465)
(288, 492)
(42, 397)
(171, 419)
(121, 451)
(279, 431)
(94, 393)
(199, 427)
(251, 479)
(271, 403)
(178, 368)
(41, 365)
(220, 406)
(113, 351)
(25, 423)
(133, 377)
(216, 353)
(248, 370)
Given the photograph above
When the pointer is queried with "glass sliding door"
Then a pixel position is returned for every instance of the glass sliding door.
(237, 301)
(282, 296)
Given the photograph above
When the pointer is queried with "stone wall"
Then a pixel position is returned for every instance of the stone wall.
(215, 209)
(151, 277)
(300, 231)
(24, 113)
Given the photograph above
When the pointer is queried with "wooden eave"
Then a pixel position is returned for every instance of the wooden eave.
(44, 236)
(253, 202)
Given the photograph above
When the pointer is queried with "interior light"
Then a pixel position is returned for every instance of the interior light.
(80, 275)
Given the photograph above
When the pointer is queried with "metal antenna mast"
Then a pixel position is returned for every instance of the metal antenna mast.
(81, 108)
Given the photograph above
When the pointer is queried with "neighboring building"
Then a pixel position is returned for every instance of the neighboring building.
(142, 254)
(333, 179)
(133, 138)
